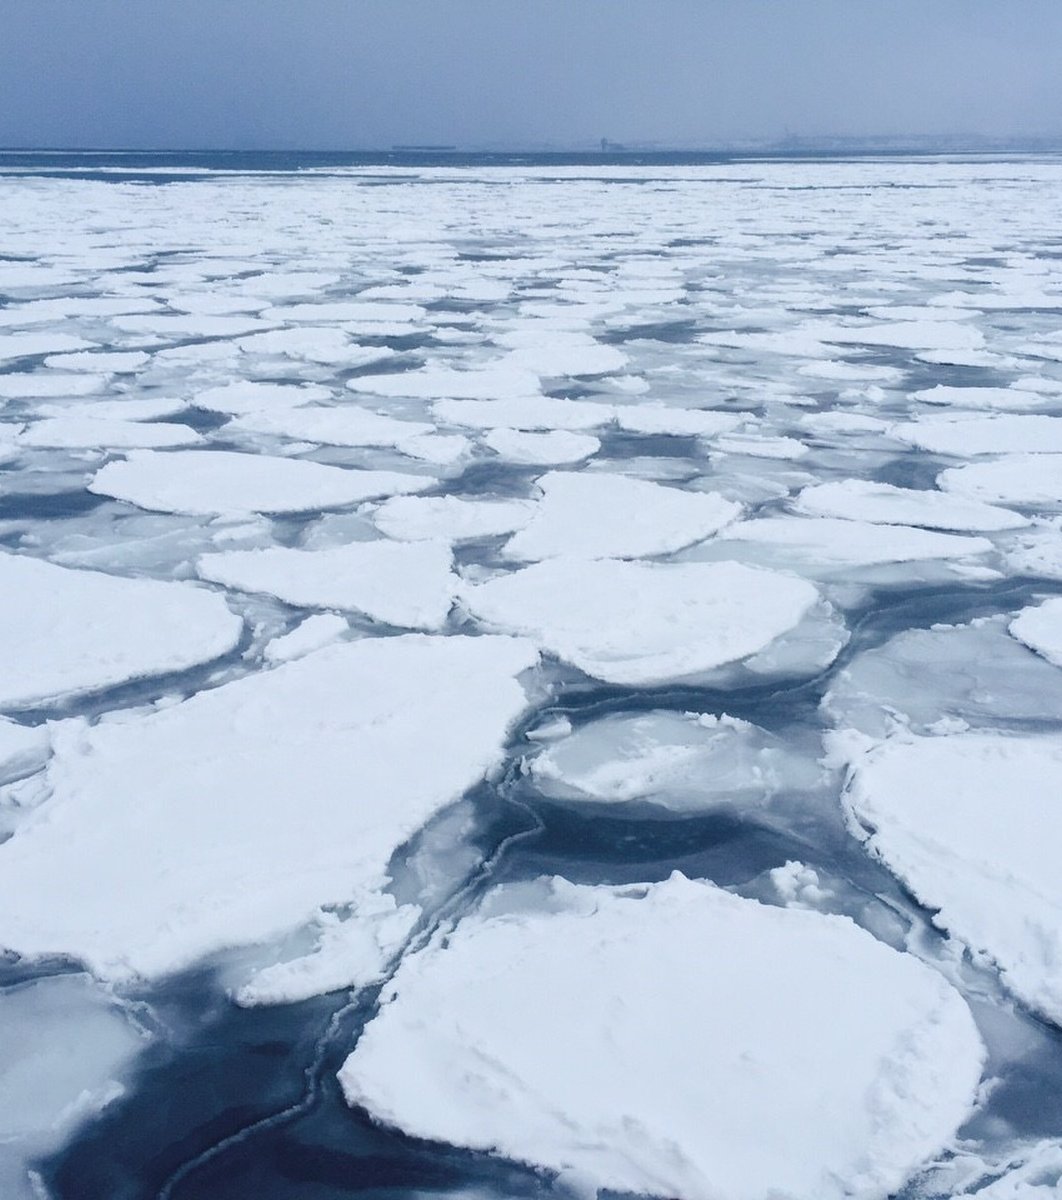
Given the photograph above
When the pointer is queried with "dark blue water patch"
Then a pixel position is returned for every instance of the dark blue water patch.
(913, 469)
(202, 420)
(615, 444)
(922, 376)
(492, 478)
(397, 365)
(32, 506)
(679, 333)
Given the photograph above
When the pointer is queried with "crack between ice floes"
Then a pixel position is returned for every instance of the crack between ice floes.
(313, 1074)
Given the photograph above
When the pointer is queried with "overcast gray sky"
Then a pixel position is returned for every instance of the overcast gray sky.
(344, 74)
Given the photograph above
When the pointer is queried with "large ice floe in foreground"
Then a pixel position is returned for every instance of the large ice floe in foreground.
(209, 482)
(69, 632)
(641, 624)
(971, 823)
(672, 1040)
(296, 786)
(587, 515)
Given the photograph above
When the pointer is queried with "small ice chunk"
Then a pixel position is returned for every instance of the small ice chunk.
(309, 635)
(597, 515)
(882, 503)
(1040, 628)
(644, 623)
(222, 481)
(757, 446)
(236, 816)
(971, 823)
(672, 1040)
(70, 632)
(422, 518)
(111, 433)
(409, 584)
(1013, 479)
(541, 449)
(684, 762)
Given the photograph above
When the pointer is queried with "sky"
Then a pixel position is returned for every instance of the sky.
(350, 74)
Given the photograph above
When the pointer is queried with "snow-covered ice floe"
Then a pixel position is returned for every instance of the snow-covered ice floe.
(641, 624)
(209, 482)
(69, 632)
(969, 822)
(672, 1040)
(1024, 479)
(884, 504)
(296, 787)
(418, 518)
(1040, 628)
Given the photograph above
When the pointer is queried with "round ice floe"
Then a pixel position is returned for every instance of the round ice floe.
(644, 623)
(673, 1040)
(347, 426)
(233, 817)
(111, 433)
(247, 397)
(597, 515)
(1013, 479)
(421, 518)
(971, 823)
(545, 449)
(221, 481)
(966, 438)
(403, 583)
(684, 762)
(1040, 628)
(882, 503)
(68, 632)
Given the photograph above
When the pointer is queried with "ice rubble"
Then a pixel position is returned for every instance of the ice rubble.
(672, 1040)
(1040, 628)
(419, 518)
(71, 632)
(884, 504)
(599, 515)
(970, 823)
(296, 786)
(209, 482)
(409, 584)
(644, 623)
(1025, 479)
(682, 762)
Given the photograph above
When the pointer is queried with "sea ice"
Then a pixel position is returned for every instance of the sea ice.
(683, 422)
(970, 822)
(419, 518)
(882, 503)
(289, 792)
(641, 624)
(541, 449)
(222, 481)
(309, 635)
(682, 762)
(1026, 479)
(347, 426)
(672, 1040)
(409, 584)
(70, 632)
(436, 383)
(597, 515)
(1040, 628)
(525, 412)
(111, 433)
(971, 436)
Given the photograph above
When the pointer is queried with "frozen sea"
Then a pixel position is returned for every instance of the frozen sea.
(530, 676)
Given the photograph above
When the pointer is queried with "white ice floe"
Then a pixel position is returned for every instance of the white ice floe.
(644, 623)
(121, 409)
(169, 325)
(525, 412)
(68, 632)
(222, 481)
(419, 518)
(247, 397)
(972, 436)
(309, 635)
(1037, 553)
(1040, 628)
(110, 433)
(970, 822)
(332, 312)
(409, 584)
(312, 343)
(120, 362)
(541, 449)
(346, 426)
(23, 749)
(295, 787)
(38, 387)
(683, 762)
(998, 398)
(29, 345)
(882, 503)
(1027, 479)
(672, 1040)
(757, 445)
(833, 542)
(682, 422)
(597, 515)
(493, 382)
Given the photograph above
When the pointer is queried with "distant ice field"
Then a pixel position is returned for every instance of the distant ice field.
(530, 677)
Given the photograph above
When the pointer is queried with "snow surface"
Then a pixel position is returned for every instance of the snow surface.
(644, 623)
(672, 1040)
(882, 503)
(1027, 479)
(69, 632)
(223, 481)
(296, 787)
(970, 822)
(1040, 628)
(597, 515)
(409, 584)
(972, 436)
(419, 518)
